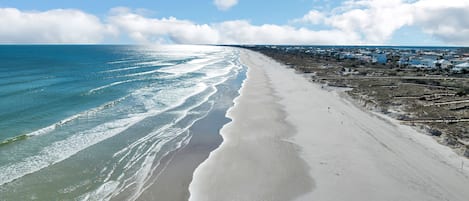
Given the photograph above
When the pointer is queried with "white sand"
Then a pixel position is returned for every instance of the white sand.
(253, 162)
(352, 154)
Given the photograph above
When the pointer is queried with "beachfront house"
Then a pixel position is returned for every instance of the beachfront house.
(423, 63)
(404, 58)
(380, 58)
(461, 68)
(415, 61)
(429, 62)
(459, 60)
(363, 58)
(346, 55)
(443, 64)
(403, 62)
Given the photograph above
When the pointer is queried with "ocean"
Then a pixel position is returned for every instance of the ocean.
(93, 122)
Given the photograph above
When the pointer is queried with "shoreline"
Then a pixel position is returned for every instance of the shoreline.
(346, 149)
(174, 174)
(237, 169)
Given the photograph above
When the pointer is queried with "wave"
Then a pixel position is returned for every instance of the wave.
(140, 73)
(13, 139)
(161, 137)
(113, 84)
(146, 138)
(137, 151)
(64, 149)
(190, 66)
(139, 66)
(200, 61)
(54, 126)
(146, 152)
(155, 63)
(102, 193)
(61, 150)
(212, 73)
(122, 61)
(146, 183)
(26, 87)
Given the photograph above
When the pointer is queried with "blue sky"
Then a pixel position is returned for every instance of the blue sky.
(388, 22)
(199, 11)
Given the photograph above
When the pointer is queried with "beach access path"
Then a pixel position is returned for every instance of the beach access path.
(292, 140)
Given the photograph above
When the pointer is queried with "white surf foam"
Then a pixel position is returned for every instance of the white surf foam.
(104, 192)
(145, 173)
(141, 73)
(67, 120)
(113, 84)
(189, 67)
(160, 137)
(64, 149)
(139, 66)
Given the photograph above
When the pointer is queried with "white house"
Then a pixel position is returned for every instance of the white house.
(461, 67)
(429, 62)
(443, 63)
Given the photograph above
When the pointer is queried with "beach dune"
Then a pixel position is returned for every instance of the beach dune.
(292, 140)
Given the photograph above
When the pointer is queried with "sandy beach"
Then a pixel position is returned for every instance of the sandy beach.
(294, 140)
(255, 161)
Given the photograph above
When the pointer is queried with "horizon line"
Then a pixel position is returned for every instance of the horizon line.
(291, 45)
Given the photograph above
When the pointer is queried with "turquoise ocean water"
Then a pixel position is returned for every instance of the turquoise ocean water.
(85, 122)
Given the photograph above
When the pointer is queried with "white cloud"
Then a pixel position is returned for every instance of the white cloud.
(74, 26)
(446, 20)
(148, 30)
(354, 22)
(53, 26)
(225, 4)
(312, 17)
(242, 32)
(151, 30)
(377, 20)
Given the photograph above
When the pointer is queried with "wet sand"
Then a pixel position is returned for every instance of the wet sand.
(171, 180)
(255, 161)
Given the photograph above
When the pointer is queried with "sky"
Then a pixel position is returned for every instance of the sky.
(294, 22)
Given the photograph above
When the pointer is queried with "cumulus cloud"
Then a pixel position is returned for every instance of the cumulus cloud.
(74, 26)
(446, 20)
(53, 26)
(225, 4)
(148, 30)
(242, 32)
(312, 17)
(377, 20)
(353, 22)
